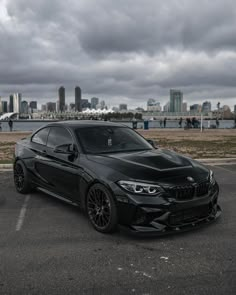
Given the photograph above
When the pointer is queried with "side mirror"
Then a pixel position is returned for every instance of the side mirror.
(66, 149)
(152, 143)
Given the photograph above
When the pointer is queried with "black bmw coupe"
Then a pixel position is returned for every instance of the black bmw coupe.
(117, 177)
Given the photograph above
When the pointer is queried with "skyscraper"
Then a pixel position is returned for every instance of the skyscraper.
(11, 104)
(196, 108)
(94, 102)
(62, 99)
(78, 106)
(153, 105)
(0, 105)
(176, 100)
(24, 107)
(51, 106)
(17, 102)
(4, 106)
(206, 107)
(85, 104)
(33, 105)
(184, 107)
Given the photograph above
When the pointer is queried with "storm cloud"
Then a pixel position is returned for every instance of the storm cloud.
(121, 51)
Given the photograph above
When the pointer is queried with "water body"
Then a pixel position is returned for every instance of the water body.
(34, 125)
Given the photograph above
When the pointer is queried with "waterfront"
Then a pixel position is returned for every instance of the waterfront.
(32, 125)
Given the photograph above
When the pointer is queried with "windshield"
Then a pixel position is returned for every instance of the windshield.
(110, 139)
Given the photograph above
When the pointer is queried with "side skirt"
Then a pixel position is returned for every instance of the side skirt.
(57, 196)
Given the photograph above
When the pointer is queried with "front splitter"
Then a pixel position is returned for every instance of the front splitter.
(158, 229)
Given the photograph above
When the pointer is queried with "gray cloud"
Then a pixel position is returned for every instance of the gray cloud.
(119, 50)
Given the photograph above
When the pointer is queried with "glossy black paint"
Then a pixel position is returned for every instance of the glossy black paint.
(70, 175)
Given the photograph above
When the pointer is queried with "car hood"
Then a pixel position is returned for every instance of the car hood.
(151, 165)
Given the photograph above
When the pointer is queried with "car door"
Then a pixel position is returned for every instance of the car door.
(39, 164)
(62, 169)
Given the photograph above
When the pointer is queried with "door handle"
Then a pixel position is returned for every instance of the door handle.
(44, 152)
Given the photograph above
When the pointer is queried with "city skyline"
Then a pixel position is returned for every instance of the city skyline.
(176, 103)
(136, 52)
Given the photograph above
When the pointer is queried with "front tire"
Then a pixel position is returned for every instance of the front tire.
(21, 178)
(101, 209)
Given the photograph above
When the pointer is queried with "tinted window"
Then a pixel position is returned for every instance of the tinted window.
(58, 136)
(41, 136)
(105, 139)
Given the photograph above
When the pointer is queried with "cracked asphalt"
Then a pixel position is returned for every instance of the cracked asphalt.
(49, 247)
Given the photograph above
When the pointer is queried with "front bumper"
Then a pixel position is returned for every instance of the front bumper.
(164, 215)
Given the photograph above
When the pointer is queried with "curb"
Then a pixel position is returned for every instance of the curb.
(217, 161)
(6, 166)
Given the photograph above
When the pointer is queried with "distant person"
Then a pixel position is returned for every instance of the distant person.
(208, 124)
(180, 122)
(10, 123)
(165, 123)
(161, 123)
(0, 126)
(188, 123)
(217, 123)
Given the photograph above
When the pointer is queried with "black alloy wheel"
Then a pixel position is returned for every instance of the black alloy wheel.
(21, 178)
(101, 209)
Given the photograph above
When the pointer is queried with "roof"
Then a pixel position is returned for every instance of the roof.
(87, 123)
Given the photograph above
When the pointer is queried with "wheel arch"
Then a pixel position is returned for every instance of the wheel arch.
(86, 190)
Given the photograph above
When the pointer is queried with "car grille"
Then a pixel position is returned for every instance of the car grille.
(188, 191)
(189, 215)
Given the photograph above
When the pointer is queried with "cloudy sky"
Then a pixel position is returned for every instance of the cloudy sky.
(119, 50)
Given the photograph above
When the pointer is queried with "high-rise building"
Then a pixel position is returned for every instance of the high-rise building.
(166, 107)
(4, 106)
(206, 107)
(153, 105)
(85, 104)
(184, 107)
(176, 100)
(11, 103)
(62, 99)
(51, 107)
(0, 105)
(196, 108)
(43, 108)
(123, 107)
(94, 102)
(17, 103)
(235, 109)
(24, 107)
(33, 105)
(78, 106)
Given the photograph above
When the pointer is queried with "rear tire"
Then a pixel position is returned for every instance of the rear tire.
(101, 209)
(21, 178)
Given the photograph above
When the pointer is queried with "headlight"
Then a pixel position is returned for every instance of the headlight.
(140, 187)
(212, 179)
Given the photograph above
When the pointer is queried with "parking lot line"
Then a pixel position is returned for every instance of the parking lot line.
(22, 213)
(223, 168)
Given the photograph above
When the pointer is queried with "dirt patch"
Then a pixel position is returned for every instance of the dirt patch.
(210, 143)
(207, 144)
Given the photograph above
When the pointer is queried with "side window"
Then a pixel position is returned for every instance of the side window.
(41, 136)
(58, 136)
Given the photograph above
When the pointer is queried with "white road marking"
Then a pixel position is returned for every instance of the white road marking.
(222, 168)
(22, 213)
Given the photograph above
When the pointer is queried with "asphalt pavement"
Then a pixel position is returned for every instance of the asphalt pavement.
(49, 247)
